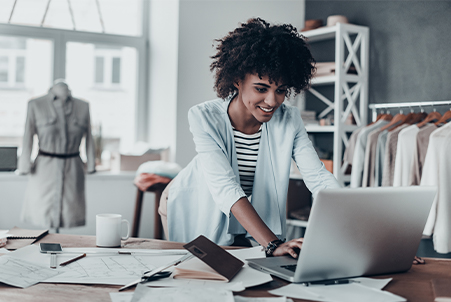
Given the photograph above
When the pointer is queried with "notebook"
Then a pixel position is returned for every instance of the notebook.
(212, 262)
(23, 237)
(357, 232)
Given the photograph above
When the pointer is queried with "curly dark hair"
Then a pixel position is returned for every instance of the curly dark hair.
(256, 47)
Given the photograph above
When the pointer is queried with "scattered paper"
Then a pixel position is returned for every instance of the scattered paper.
(248, 299)
(21, 273)
(248, 253)
(106, 266)
(246, 277)
(171, 282)
(121, 297)
(368, 290)
(372, 282)
(186, 294)
(96, 268)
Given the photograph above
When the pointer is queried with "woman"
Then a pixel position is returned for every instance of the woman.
(236, 187)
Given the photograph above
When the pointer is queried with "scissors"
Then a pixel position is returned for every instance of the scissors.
(147, 276)
(157, 276)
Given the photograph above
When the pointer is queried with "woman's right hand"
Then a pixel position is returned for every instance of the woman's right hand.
(291, 248)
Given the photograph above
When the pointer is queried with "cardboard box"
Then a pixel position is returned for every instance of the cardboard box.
(126, 162)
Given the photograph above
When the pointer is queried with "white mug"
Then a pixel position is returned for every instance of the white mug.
(109, 229)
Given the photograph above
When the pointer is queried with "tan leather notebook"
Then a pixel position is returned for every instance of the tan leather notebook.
(441, 289)
(23, 237)
(221, 265)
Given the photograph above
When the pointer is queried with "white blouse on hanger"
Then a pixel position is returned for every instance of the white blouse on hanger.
(437, 172)
(407, 140)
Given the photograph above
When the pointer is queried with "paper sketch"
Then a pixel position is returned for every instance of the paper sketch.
(119, 270)
(21, 273)
(185, 294)
(121, 297)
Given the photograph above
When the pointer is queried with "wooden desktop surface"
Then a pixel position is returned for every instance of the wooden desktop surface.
(413, 285)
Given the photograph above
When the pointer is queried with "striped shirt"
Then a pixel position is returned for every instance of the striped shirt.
(246, 146)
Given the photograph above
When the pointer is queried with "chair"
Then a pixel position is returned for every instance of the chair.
(157, 189)
(299, 202)
(152, 176)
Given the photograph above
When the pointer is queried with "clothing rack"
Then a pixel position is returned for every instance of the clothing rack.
(374, 107)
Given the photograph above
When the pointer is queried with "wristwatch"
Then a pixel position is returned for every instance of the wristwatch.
(272, 246)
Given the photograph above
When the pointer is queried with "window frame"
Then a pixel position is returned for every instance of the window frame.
(12, 55)
(61, 37)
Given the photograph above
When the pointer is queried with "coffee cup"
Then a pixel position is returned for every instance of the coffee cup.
(109, 229)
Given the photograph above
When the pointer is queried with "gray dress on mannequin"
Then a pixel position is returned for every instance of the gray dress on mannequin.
(55, 194)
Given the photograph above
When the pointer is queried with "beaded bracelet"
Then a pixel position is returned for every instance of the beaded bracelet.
(272, 246)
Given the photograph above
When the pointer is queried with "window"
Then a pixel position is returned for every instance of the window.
(120, 17)
(100, 68)
(25, 73)
(94, 74)
(107, 67)
(12, 61)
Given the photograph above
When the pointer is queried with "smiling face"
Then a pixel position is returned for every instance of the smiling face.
(258, 98)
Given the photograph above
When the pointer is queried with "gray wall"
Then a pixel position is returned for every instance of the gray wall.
(410, 46)
(200, 22)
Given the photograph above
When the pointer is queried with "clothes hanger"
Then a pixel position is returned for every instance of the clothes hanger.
(415, 117)
(444, 119)
(380, 116)
(431, 117)
(395, 121)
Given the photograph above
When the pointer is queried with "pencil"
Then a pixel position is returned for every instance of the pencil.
(72, 260)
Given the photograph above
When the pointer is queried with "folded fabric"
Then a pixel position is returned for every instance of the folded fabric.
(159, 167)
(145, 180)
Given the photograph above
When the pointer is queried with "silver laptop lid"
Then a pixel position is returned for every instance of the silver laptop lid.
(363, 231)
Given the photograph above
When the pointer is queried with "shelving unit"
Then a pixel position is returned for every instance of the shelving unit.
(349, 89)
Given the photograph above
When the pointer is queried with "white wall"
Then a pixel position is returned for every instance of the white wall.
(104, 194)
(163, 67)
(200, 22)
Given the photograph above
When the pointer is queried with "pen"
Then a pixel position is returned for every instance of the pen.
(331, 282)
(72, 260)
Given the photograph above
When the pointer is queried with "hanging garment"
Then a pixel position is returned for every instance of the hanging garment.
(419, 153)
(359, 153)
(437, 172)
(407, 140)
(380, 153)
(349, 152)
(390, 156)
(55, 194)
(368, 179)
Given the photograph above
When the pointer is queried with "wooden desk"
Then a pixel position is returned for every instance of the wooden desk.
(413, 285)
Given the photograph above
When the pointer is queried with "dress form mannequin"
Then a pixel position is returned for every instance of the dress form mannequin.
(61, 90)
(55, 195)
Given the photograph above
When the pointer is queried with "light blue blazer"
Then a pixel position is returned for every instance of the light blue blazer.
(202, 194)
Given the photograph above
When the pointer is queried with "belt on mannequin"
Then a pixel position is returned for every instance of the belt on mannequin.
(43, 153)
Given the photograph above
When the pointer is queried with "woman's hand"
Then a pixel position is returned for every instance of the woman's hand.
(291, 248)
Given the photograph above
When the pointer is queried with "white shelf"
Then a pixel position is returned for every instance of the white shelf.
(325, 33)
(327, 80)
(298, 223)
(350, 90)
(319, 129)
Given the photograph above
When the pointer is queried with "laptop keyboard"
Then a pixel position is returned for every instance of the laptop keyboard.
(291, 267)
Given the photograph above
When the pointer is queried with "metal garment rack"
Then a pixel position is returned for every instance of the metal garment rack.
(374, 107)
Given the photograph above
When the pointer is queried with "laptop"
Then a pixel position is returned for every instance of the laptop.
(357, 232)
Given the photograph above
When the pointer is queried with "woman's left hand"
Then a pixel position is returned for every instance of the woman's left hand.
(291, 248)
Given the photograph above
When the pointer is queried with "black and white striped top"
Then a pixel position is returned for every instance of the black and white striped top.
(246, 152)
